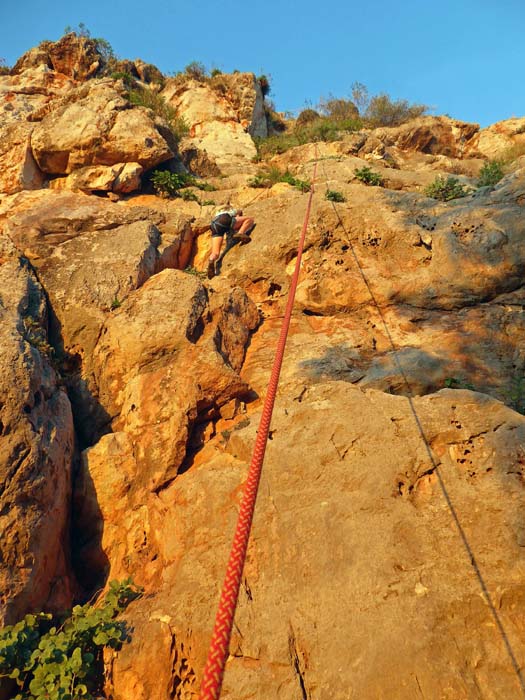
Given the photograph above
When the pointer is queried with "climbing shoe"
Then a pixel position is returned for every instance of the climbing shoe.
(211, 269)
(241, 237)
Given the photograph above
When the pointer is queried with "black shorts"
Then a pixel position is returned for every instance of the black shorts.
(221, 225)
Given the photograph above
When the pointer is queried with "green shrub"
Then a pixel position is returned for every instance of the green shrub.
(307, 116)
(144, 97)
(215, 72)
(368, 176)
(515, 396)
(334, 196)
(189, 196)
(491, 173)
(446, 189)
(273, 175)
(52, 659)
(458, 383)
(169, 184)
(338, 108)
(126, 78)
(382, 110)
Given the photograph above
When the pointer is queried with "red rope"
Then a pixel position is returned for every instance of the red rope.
(220, 642)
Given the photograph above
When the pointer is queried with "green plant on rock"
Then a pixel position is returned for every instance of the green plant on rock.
(382, 110)
(144, 97)
(458, 383)
(35, 335)
(273, 175)
(62, 660)
(169, 184)
(189, 196)
(368, 176)
(491, 173)
(127, 78)
(515, 396)
(446, 188)
(334, 196)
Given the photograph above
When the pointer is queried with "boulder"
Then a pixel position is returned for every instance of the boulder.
(96, 126)
(500, 139)
(75, 56)
(121, 178)
(434, 135)
(36, 453)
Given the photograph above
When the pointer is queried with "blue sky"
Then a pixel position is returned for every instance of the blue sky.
(465, 58)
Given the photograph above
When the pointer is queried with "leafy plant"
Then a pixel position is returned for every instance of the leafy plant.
(458, 383)
(189, 196)
(368, 176)
(194, 272)
(491, 173)
(515, 396)
(169, 184)
(273, 175)
(35, 335)
(334, 196)
(126, 78)
(62, 660)
(446, 189)
(144, 97)
(116, 304)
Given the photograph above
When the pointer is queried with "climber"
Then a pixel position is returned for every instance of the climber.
(225, 222)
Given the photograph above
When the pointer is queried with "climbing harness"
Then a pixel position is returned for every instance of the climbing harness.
(218, 651)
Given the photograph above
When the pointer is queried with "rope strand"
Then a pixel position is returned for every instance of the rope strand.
(220, 642)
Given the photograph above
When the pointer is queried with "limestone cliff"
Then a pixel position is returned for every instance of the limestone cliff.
(387, 558)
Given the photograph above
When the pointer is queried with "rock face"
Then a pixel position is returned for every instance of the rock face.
(222, 115)
(36, 450)
(90, 254)
(387, 552)
(96, 127)
(162, 388)
(498, 139)
(355, 559)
